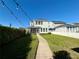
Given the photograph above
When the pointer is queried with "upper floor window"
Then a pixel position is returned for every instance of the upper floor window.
(39, 22)
(36, 22)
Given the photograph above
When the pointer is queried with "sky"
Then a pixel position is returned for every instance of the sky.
(52, 10)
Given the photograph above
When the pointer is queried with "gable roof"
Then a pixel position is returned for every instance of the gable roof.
(40, 19)
(76, 24)
(58, 22)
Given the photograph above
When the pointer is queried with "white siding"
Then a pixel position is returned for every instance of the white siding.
(46, 24)
(61, 29)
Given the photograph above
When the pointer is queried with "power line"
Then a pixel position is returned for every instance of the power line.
(8, 8)
(22, 10)
(4, 5)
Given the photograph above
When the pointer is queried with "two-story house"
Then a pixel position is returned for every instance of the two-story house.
(39, 26)
(43, 26)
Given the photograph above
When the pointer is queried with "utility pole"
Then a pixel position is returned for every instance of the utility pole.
(10, 25)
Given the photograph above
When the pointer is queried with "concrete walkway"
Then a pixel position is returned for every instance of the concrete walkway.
(43, 51)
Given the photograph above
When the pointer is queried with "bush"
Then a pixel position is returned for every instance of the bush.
(14, 43)
(62, 55)
(7, 34)
(49, 33)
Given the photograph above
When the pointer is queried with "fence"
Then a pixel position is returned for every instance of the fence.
(69, 34)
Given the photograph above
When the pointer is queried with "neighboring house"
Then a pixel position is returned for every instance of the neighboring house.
(67, 28)
(43, 26)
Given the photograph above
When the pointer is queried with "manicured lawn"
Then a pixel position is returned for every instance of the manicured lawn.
(33, 46)
(60, 43)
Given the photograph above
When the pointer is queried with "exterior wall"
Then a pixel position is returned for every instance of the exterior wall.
(76, 29)
(51, 25)
(32, 23)
(58, 24)
(45, 24)
(61, 29)
(65, 29)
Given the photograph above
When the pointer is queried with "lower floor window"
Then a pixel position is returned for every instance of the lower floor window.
(41, 29)
(46, 29)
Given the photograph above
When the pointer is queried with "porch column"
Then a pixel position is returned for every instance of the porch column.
(69, 29)
(77, 28)
(39, 30)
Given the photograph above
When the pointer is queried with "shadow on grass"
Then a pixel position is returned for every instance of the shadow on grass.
(17, 49)
(62, 55)
(76, 49)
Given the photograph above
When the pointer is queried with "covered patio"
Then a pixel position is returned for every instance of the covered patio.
(35, 29)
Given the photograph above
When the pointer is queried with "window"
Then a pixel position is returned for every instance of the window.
(46, 29)
(41, 22)
(43, 29)
(36, 22)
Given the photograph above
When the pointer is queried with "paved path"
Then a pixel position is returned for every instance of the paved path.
(43, 51)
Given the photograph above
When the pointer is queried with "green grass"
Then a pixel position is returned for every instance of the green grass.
(58, 43)
(33, 46)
